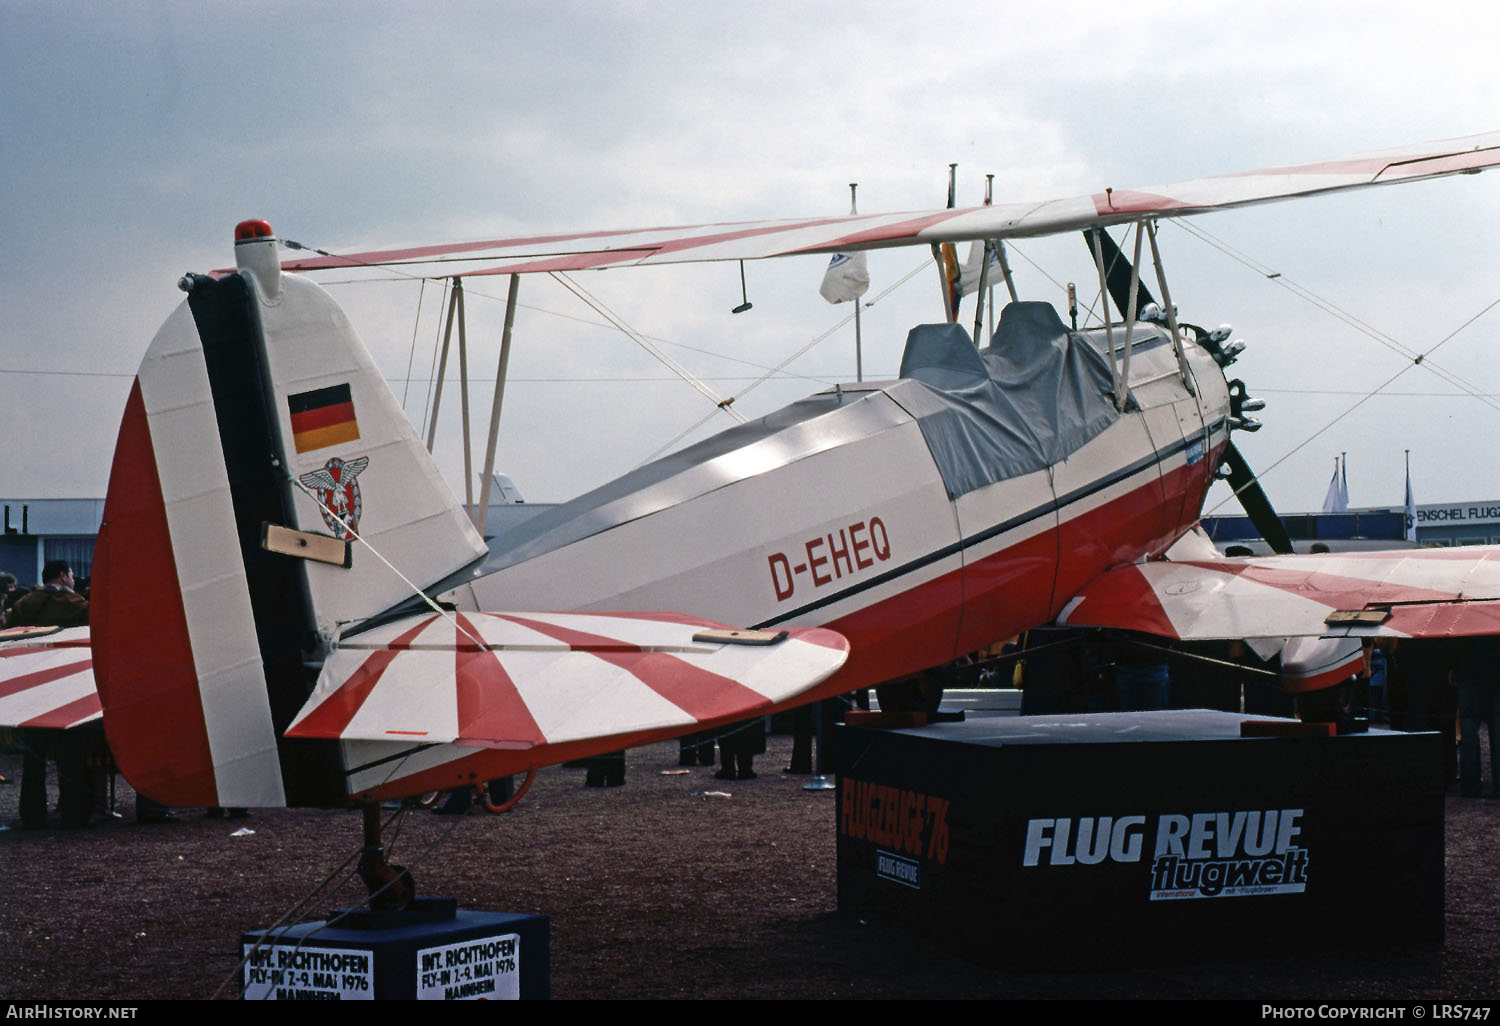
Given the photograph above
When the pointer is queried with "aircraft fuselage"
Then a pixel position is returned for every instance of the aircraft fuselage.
(835, 512)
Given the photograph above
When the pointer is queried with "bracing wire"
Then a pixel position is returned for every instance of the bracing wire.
(639, 339)
(432, 368)
(473, 292)
(412, 352)
(1415, 362)
(780, 366)
(1414, 356)
(415, 590)
(270, 935)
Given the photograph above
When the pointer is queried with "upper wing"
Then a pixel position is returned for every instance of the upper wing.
(758, 239)
(534, 681)
(1420, 593)
(47, 680)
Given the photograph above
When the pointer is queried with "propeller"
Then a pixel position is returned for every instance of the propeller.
(1117, 274)
(1253, 498)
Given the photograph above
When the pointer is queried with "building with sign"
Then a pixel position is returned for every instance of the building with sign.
(1460, 523)
(1450, 523)
(40, 530)
(37, 531)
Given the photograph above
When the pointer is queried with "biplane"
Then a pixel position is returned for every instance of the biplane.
(291, 607)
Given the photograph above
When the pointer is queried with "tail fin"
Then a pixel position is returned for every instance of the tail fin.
(256, 405)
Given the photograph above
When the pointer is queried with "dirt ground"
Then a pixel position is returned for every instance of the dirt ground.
(654, 889)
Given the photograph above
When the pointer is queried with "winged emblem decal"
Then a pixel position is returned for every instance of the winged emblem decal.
(339, 500)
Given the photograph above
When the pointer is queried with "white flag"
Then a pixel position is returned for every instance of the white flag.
(968, 275)
(846, 279)
(848, 276)
(1411, 510)
(1333, 501)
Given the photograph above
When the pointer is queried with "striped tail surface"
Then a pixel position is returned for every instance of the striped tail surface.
(258, 440)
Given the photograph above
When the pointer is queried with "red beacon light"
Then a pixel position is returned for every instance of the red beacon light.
(247, 231)
(255, 252)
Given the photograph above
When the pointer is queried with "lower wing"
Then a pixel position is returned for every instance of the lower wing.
(1415, 593)
(1314, 609)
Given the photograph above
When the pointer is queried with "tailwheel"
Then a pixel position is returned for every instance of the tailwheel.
(390, 888)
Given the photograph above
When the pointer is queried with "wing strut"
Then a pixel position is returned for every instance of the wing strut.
(947, 257)
(981, 291)
(1109, 327)
(455, 304)
(1170, 311)
(482, 514)
(1010, 285)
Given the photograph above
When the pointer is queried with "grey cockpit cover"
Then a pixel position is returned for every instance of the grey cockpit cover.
(1033, 396)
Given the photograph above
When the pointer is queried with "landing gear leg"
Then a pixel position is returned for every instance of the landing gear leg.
(390, 887)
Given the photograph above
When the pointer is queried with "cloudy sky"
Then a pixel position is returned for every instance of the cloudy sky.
(136, 136)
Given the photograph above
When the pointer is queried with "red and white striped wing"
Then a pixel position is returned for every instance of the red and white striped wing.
(543, 679)
(1429, 593)
(753, 240)
(48, 681)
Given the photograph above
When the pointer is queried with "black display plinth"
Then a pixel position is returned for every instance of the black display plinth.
(1137, 838)
(466, 955)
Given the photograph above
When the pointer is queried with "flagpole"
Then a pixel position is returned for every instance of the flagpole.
(979, 292)
(1331, 497)
(947, 269)
(846, 278)
(859, 358)
(1409, 514)
(989, 198)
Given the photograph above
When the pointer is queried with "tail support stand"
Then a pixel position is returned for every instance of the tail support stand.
(391, 887)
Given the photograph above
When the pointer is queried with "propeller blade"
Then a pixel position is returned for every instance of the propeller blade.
(1117, 273)
(1253, 498)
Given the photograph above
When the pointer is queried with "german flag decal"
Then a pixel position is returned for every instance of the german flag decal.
(322, 418)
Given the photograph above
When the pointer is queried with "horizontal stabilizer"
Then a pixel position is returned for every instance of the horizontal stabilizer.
(529, 681)
(47, 679)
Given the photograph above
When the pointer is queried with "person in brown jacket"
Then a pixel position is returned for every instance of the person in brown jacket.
(55, 604)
